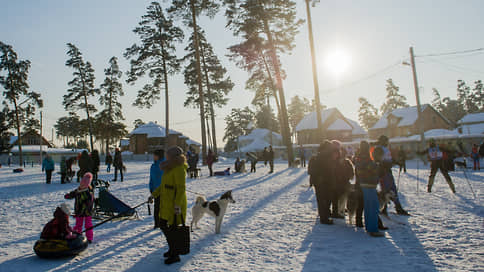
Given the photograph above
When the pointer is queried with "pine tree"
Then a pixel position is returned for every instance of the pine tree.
(107, 130)
(237, 124)
(394, 99)
(216, 83)
(477, 96)
(188, 11)
(265, 118)
(297, 109)
(464, 96)
(155, 57)
(5, 134)
(71, 127)
(82, 87)
(437, 100)
(268, 28)
(14, 80)
(367, 113)
(111, 90)
(138, 122)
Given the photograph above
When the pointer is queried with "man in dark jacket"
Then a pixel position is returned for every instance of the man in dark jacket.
(402, 159)
(344, 172)
(85, 165)
(96, 162)
(118, 165)
(270, 158)
(435, 155)
(323, 175)
(109, 161)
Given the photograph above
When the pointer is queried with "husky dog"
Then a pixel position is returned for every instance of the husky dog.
(215, 209)
(384, 197)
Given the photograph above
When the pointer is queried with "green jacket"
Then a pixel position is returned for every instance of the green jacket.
(172, 191)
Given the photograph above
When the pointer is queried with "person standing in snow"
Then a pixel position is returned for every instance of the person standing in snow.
(85, 165)
(118, 165)
(83, 206)
(63, 169)
(270, 158)
(155, 181)
(264, 156)
(302, 155)
(323, 175)
(96, 162)
(434, 153)
(367, 180)
(253, 161)
(173, 204)
(383, 157)
(344, 172)
(475, 157)
(108, 161)
(402, 159)
(48, 166)
(210, 161)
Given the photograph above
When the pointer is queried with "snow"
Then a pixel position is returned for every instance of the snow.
(472, 118)
(152, 130)
(473, 129)
(340, 124)
(36, 149)
(310, 120)
(258, 139)
(273, 226)
(192, 142)
(408, 116)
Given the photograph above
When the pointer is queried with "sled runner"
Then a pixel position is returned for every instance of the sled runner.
(107, 205)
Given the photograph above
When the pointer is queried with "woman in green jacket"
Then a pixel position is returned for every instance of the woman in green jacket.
(173, 204)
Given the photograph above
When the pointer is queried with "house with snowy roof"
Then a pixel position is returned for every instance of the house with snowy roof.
(403, 122)
(258, 139)
(335, 127)
(472, 124)
(151, 136)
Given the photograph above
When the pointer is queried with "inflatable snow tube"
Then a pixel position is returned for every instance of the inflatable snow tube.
(57, 248)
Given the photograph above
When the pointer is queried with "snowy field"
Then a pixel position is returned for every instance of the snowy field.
(272, 227)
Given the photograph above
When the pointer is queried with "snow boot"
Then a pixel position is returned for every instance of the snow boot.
(172, 259)
(429, 185)
(376, 234)
(326, 221)
(167, 254)
(359, 223)
(451, 185)
(400, 210)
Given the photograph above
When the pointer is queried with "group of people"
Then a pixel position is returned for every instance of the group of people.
(88, 163)
(267, 156)
(331, 171)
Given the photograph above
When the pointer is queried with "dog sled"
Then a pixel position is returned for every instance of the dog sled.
(107, 205)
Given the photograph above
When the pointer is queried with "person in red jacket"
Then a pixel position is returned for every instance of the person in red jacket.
(58, 228)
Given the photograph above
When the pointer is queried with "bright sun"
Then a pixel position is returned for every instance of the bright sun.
(337, 62)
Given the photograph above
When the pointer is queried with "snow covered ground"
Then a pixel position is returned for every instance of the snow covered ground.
(272, 227)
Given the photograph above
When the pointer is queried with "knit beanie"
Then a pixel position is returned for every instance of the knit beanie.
(65, 208)
(174, 151)
(86, 181)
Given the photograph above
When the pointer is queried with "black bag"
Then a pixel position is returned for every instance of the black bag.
(179, 237)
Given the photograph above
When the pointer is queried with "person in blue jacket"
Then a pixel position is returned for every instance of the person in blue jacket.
(48, 166)
(155, 181)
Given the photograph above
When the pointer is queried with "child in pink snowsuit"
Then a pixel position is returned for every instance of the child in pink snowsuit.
(83, 206)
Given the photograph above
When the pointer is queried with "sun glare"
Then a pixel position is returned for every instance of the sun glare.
(337, 62)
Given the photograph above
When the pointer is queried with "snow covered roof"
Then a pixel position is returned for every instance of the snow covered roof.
(310, 120)
(258, 139)
(192, 142)
(408, 116)
(340, 124)
(357, 129)
(153, 130)
(473, 129)
(36, 149)
(472, 118)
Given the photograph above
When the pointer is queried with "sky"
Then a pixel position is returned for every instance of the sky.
(364, 42)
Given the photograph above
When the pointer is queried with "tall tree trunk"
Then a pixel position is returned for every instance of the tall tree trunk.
(89, 121)
(199, 79)
(167, 109)
(210, 101)
(284, 122)
(19, 136)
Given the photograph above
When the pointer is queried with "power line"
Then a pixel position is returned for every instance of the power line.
(456, 68)
(369, 76)
(451, 53)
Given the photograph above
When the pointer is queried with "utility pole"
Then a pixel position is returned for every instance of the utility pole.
(40, 138)
(315, 69)
(417, 96)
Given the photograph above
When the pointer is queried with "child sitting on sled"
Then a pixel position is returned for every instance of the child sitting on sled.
(83, 207)
(58, 228)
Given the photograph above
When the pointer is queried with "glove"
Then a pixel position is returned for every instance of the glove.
(150, 199)
(177, 210)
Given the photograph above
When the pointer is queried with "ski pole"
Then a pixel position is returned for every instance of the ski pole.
(468, 182)
(398, 180)
(114, 217)
(149, 208)
(418, 167)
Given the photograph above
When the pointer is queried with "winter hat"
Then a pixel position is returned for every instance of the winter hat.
(174, 151)
(65, 208)
(86, 181)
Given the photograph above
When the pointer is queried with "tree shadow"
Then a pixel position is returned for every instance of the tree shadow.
(150, 262)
